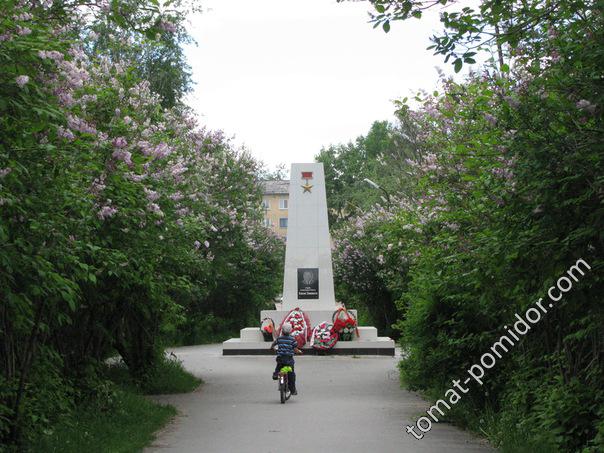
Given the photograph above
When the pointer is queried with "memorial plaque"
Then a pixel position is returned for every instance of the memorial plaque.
(308, 283)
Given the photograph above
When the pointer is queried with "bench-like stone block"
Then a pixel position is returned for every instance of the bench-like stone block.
(251, 334)
(368, 334)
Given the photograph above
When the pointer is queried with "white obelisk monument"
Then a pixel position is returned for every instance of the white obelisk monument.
(308, 276)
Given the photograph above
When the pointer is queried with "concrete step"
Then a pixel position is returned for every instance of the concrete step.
(254, 345)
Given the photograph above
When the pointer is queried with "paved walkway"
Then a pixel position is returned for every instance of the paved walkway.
(344, 404)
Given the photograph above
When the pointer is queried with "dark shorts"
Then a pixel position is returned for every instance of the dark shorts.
(285, 359)
(291, 376)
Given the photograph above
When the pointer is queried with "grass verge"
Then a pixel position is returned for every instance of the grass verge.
(126, 427)
(496, 427)
(122, 420)
(169, 377)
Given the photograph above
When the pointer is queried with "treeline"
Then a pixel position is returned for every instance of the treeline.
(485, 193)
(123, 224)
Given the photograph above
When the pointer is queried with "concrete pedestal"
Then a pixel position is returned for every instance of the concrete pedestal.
(251, 342)
(316, 316)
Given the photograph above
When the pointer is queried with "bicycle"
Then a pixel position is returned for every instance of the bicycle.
(283, 384)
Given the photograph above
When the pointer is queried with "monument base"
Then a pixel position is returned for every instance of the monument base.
(315, 316)
(251, 342)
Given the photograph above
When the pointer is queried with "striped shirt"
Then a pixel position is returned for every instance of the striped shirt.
(285, 345)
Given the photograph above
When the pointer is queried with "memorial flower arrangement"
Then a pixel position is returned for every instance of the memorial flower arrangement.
(345, 324)
(347, 333)
(267, 327)
(301, 329)
(324, 336)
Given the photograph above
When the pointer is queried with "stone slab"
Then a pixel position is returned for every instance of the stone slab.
(250, 334)
(349, 351)
(379, 346)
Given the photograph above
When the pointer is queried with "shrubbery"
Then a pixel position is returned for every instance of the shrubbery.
(502, 192)
(121, 219)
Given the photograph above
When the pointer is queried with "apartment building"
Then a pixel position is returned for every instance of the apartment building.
(275, 204)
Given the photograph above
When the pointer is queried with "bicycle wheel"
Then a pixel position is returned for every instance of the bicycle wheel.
(282, 391)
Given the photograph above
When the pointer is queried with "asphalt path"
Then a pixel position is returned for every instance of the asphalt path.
(344, 403)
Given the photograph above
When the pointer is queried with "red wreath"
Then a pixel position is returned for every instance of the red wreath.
(323, 336)
(342, 318)
(300, 322)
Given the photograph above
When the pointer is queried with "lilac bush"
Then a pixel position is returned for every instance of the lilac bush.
(122, 219)
(502, 192)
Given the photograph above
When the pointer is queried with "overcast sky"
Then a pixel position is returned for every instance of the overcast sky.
(288, 77)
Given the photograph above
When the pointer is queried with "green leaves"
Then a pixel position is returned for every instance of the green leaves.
(468, 57)
(457, 64)
(505, 192)
(99, 221)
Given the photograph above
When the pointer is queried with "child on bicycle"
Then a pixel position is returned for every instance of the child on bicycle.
(287, 346)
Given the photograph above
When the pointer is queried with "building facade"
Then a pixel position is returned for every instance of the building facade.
(275, 199)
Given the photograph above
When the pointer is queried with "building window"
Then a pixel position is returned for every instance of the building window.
(283, 222)
(283, 203)
(267, 223)
(265, 204)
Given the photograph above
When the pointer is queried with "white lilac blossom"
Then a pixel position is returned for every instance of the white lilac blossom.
(490, 119)
(151, 194)
(106, 212)
(122, 155)
(182, 212)
(65, 133)
(22, 80)
(167, 26)
(23, 31)
(188, 163)
(24, 17)
(54, 55)
(78, 124)
(155, 209)
(119, 142)
(97, 186)
(586, 106)
(74, 74)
